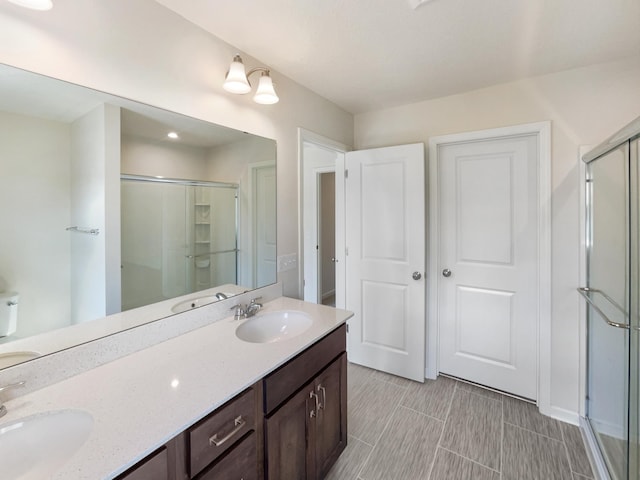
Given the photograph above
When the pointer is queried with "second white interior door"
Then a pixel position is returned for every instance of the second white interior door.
(487, 284)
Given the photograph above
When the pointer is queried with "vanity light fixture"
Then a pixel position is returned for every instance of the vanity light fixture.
(173, 135)
(34, 4)
(237, 81)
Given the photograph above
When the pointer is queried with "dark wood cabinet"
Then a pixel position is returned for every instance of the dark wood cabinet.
(306, 434)
(288, 433)
(160, 465)
(331, 420)
(291, 425)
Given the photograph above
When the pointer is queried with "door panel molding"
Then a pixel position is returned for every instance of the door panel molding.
(542, 131)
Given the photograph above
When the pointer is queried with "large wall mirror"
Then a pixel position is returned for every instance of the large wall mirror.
(111, 206)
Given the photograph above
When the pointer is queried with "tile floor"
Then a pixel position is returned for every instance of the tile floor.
(449, 430)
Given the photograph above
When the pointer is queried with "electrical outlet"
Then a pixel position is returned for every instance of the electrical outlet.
(287, 262)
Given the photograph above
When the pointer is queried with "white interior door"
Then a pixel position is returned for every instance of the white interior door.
(385, 239)
(487, 283)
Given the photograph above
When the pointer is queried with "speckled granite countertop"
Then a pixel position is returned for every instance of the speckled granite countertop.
(141, 401)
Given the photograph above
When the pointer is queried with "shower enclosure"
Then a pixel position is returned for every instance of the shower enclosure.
(613, 303)
(178, 237)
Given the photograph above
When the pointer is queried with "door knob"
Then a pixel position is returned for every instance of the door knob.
(334, 259)
(446, 272)
(416, 275)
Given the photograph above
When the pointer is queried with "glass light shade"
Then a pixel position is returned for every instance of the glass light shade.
(265, 94)
(236, 79)
(34, 4)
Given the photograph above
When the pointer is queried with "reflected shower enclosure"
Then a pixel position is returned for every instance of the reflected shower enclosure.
(178, 237)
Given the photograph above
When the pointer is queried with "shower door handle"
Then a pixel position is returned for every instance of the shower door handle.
(585, 291)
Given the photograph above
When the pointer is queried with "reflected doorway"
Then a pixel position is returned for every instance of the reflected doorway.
(327, 237)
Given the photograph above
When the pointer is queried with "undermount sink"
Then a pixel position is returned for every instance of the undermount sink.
(13, 358)
(35, 447)
(274, 326)
(197, 302)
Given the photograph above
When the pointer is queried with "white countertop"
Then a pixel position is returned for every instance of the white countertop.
(141, 401)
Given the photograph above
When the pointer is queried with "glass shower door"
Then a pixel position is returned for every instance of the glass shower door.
(608, 278)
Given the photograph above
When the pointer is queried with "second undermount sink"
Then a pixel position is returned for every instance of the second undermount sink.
(197, 302)
(275, 326)
(13, 358)
(35, 447)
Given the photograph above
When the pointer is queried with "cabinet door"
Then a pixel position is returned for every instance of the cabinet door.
(331, 431)
(154, 467)
(290, 438)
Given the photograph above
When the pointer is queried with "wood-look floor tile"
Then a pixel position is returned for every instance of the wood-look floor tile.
(357, 376)
(577, 476)
(530, 456)
(578, 458)
(480, 391)
(449, 466)
(406, 449)
(526, 415)
(474, 428)
(351, 461)
(432, 397)
(371, 407)
(387, 377)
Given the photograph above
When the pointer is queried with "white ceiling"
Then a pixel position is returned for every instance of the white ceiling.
(369, 54)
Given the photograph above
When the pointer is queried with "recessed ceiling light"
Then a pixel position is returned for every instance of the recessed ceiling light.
(34, 4)
(173, 135)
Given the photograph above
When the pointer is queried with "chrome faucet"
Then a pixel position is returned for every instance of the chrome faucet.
(221, 296)
(3, 409)
(250, 310)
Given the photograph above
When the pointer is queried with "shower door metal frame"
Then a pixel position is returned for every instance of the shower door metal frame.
(630, 136)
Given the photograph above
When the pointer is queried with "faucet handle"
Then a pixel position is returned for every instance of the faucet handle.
(254, 300)
(239, 311)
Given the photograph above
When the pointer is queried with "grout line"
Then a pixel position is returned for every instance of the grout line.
(502, 441)
(533, 431)
(444, 425)
(421, 413)
(360, 440)
(469, 459)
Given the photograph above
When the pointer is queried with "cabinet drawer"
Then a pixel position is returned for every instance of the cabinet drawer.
(214, 435)
(154, 467)
(241, 463)
(279, 385)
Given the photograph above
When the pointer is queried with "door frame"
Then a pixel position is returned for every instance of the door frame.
(543, 132)
(307, 136)
(247, 270)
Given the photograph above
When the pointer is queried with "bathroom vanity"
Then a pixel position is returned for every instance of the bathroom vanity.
(207, 404)
(302, 409)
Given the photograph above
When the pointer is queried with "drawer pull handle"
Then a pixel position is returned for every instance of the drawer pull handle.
(324, 396)
(239, 424)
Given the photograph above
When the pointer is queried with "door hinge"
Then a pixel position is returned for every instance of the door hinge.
(346, 174)
(346, 251)
(347, 328)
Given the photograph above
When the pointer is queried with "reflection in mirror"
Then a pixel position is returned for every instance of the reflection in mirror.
(109, 205)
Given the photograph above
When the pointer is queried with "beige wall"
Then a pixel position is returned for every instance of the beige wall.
(35, 208)
(172, 64)
(585, 106)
